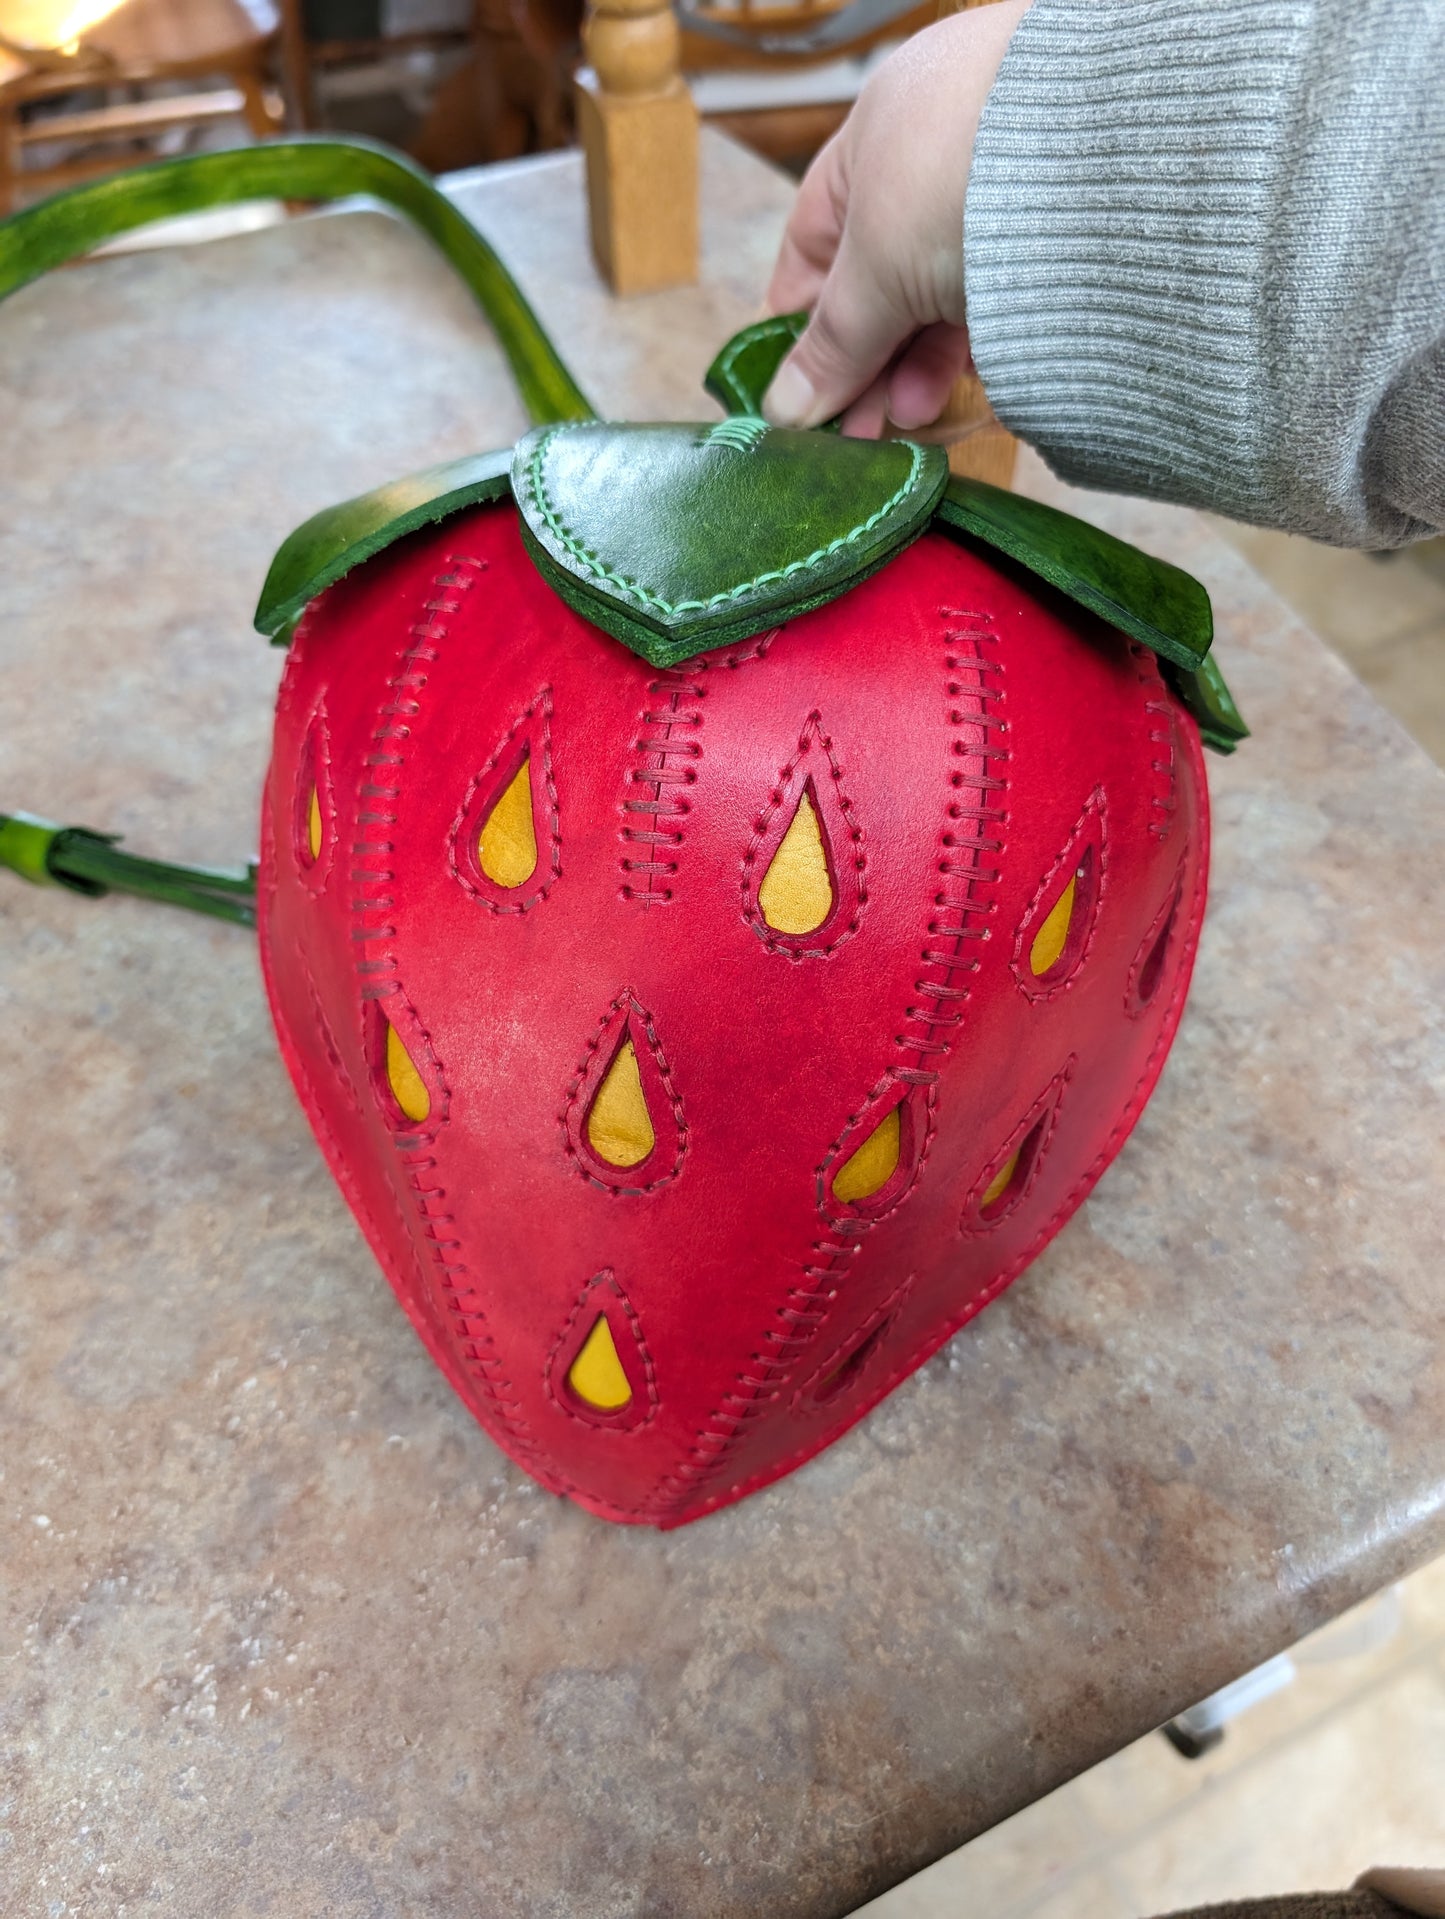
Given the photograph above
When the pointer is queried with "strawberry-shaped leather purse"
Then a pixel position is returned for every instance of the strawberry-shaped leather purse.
(725, 894)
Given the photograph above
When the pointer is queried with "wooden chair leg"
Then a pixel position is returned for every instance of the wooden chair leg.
(261, 115)
(9, 159)
(296, 66)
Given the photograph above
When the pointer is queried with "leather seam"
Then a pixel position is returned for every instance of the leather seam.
(1159, 712)
(376, 966)
(981, 847)
(804, 1313)
(658, 870)
(934, 1340)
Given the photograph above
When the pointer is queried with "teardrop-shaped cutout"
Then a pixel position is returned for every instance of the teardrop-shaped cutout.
(596, 1374)
(803, 870)
(312, 806)
(835, 1383)
(1057, 927)
(408, 1088)
(868, 1169)
(1006, 1186)
(600, 1371)
(873, 1163)
(1002, 1180)
(1010, 1175)
(506, 846)
(507, 843)
(796, 895)
(1146, 975)
(622, 1118)
(1053, 935)
(619, 1127)
(405, 1076)
(852, 1357)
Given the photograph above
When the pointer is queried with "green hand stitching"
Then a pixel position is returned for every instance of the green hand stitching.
(592, 563)
(765, 331)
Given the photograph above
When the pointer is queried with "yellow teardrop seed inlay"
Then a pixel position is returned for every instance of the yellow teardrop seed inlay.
(313, 824)
(869, 1170)
(507, 848)
(596, 1374)
(1051, 937)
(796, 895)
(1001, 1181)
(619, 1127)
(408, 1088)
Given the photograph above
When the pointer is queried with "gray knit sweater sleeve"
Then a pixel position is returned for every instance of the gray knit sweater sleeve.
(1204, 254)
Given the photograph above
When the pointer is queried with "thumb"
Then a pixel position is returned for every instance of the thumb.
(855, 330)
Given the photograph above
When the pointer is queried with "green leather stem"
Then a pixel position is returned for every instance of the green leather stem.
(743, 370)
(74, 223)
(92, 863)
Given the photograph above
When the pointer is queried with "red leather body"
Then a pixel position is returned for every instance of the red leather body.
(969, 746)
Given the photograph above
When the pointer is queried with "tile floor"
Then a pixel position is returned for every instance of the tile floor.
(1385, 615)
(1345, 1768)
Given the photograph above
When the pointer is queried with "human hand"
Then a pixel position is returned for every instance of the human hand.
(874, 246)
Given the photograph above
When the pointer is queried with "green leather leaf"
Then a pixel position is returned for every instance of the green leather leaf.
(341, 537)
(72, 223)
(1148, 599)
(1204, 695)
(679, 538)
(742, 373)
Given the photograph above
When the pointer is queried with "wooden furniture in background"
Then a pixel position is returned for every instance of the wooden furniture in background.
(786, 133)
(513, 94)
(145, 45)
(308, 54)
(638, 128)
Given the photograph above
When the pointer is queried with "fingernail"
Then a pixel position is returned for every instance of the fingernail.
(790, 398)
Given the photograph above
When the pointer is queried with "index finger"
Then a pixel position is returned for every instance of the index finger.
(810, 240)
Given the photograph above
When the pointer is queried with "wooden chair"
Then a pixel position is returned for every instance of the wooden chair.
(311, 48)
(748, 38)
(134, 58)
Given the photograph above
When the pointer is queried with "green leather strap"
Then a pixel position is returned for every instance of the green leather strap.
(74, 223)
(74, 857)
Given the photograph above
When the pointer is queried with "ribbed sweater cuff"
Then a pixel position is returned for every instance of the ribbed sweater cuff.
(1117, 232)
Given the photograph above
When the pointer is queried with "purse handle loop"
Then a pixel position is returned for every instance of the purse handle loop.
(71, 224)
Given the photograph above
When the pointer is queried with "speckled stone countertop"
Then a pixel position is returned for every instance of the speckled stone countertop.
(280, 1631)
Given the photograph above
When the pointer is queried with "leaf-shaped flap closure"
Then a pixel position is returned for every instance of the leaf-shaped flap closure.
(341, 537)
(1148, 599)
(679, 538)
